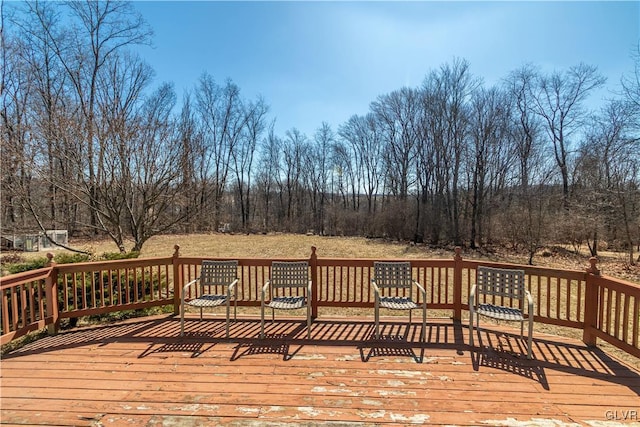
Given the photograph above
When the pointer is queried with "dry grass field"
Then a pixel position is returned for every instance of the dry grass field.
(299, 246)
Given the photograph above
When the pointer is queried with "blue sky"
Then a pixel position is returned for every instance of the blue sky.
(325, 61)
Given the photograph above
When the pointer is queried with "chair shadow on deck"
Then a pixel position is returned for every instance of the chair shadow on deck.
(500, 353)
(508, 352)
(262, 346)
(195, 348)
(390, 346)
(274, 342)
(194, 342)
(393, 343)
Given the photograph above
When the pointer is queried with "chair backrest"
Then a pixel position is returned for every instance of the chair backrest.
(218, 272)
(392, 274)
(290, 274)
(501, 282)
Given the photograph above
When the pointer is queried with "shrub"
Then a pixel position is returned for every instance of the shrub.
(66, 258)
(110, 256)
(33, 264)
(17, 264)
(12, 258)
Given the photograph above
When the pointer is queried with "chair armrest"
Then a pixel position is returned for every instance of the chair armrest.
(189, 284)
(530, 302)
(376, 289)
(421, 288)
(264, 289)
(231, 286)
(309, 286)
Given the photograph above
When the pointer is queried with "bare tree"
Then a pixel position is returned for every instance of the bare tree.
(48, 113)
(189, 139)
(631, 82)
(119, 100)
(433, 176)
(608, 176)
(318, 160)
(100, 30)
(526, 124)
(489, 155)
(156, 202)
(16, 141)
(222, 117)
(243, 155)
(267, 177)
(559, 102)
(364, 136)
(293, 153)
(450, 91)
(65, 66)
(397, 113)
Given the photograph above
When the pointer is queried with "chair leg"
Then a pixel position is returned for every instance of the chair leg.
(377, 320)
(182, 320)
(471, 327)
(530, 344)
(423, 336)
(308, 322)
(262, 320)
(476, 328)
(227, 319)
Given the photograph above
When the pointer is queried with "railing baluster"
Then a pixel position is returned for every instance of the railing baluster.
(636, 321)
(625, 319)
(14, 307)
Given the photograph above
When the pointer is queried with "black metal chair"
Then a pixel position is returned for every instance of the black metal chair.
(289, 288)
(509, 286)
(222, 278)
(391, 279)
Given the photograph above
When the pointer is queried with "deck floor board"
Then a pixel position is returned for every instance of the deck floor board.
(142, 373)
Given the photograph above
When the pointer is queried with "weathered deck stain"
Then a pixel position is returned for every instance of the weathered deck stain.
(149, 380)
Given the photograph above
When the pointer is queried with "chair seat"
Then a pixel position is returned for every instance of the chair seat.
(208, 300)
(398, 303)
(499, 312)
(287, 303)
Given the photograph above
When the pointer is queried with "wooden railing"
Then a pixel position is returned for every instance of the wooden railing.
(25, 306)
(602, 307)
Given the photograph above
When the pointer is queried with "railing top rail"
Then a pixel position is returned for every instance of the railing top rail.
(26, 276)
(190, 260)
(617, 282)
(112, 264)
(529, 269)
(370, 261)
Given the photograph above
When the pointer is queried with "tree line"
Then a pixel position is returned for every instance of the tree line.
(88, 145)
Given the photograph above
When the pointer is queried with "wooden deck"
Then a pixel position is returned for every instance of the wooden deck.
(140, 372)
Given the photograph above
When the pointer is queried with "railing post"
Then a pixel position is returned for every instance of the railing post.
(51, 294)
(591, 305)
(313, 262)
(177, 280)
(457, 285)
